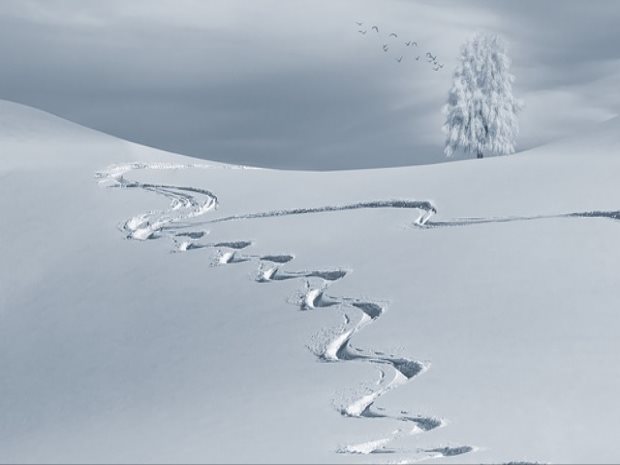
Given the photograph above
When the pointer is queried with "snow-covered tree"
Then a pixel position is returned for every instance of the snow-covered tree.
(481, 113)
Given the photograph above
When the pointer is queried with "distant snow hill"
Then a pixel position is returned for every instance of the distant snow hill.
(159, 308)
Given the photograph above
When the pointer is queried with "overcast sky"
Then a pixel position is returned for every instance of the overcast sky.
(291, 83)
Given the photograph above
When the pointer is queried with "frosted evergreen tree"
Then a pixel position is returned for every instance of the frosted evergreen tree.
(481, 113)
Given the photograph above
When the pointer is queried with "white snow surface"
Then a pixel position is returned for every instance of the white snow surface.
(492, 329)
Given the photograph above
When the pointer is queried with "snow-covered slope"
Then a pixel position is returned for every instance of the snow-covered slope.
(158, 308)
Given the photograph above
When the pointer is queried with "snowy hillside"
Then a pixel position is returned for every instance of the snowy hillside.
(158, 308)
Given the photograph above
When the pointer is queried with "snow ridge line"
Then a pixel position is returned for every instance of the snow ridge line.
(187, 203)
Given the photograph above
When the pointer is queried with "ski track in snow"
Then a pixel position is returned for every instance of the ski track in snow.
(187, 203)
(426, 208)
(472, 221)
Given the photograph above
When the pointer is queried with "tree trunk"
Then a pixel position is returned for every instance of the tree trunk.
(479, 154)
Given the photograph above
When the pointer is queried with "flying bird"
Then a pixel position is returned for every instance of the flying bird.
(417, 58)
(375, 28)
(362, 32)
(385, 47)
(435, 68)
(408, 43)
(430, 55)
(415, 44)
(358, 23)
(399, 59)
(393, 34)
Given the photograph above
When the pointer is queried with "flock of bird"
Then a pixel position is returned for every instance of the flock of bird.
(428, 56)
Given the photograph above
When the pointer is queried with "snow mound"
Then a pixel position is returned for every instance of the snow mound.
(24, 123)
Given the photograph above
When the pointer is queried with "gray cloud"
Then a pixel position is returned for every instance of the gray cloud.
(291, 83)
